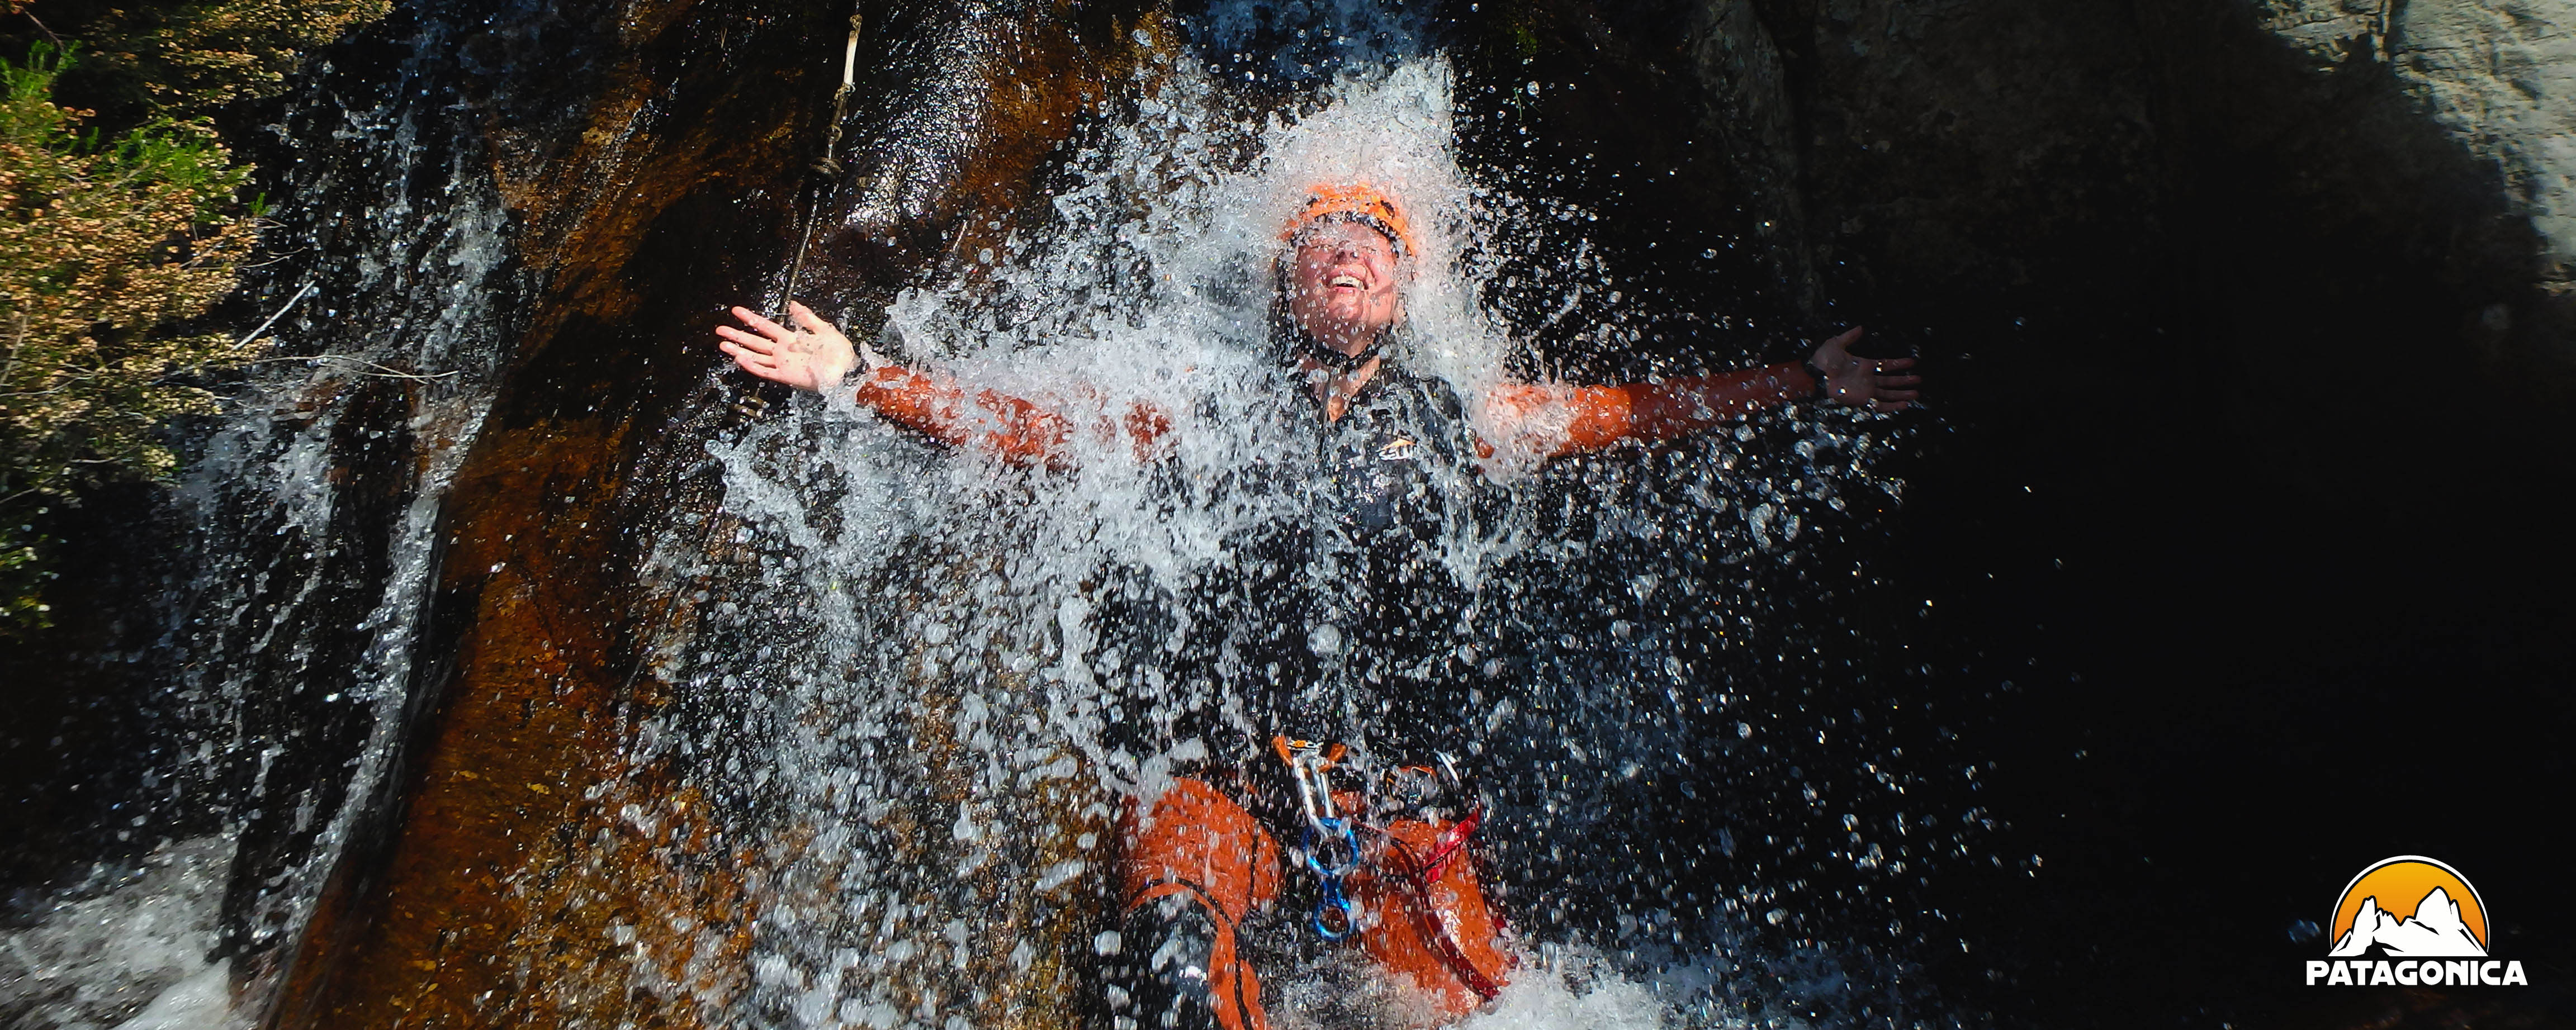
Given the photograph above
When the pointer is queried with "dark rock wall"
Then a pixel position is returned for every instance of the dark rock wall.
(2250, 362)
(2256, 374)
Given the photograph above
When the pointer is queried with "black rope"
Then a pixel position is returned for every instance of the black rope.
(827, 166)
(749, 405)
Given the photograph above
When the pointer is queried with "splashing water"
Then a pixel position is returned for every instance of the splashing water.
(142, 938)
(935, 677)
(913, 686)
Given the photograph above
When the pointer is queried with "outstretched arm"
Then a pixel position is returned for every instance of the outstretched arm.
(1552, 421)
(817, 356)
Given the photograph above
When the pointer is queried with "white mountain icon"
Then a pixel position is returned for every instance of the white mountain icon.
(2435, 932)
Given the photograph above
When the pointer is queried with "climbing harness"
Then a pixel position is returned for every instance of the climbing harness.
(1390, 869)
(1414, 869)
(1362, 888)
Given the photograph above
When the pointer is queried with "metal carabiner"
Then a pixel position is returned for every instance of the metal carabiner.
(1328, 832)
(1333, 909)
(1308, 762)
(1331, 844)
(1334, 918)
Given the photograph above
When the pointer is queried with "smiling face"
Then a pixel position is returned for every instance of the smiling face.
(1342, 284)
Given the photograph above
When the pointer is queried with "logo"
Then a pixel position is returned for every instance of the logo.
(2410, 921)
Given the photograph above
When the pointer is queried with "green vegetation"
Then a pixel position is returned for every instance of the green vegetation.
(113, 238)
(180, 58)
(102, 241)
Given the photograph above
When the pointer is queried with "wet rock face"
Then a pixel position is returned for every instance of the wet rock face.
(2044, 191)
(2498, 75)
(2501, 76)
(538, 859)
(957, 107)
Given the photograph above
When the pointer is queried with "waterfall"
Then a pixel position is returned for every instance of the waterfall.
(939, 676)
(889, 697)
(284, 664)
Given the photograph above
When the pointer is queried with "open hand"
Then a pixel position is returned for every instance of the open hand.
(814, 356)
(1879, 385)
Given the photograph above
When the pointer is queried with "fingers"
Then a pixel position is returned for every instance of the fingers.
(1890, 390)
(751, 361)
(805, 317)
(764, 326)
(729, 337)
(1845, 340)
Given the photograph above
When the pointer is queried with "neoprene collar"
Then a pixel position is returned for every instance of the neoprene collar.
(1340, 363)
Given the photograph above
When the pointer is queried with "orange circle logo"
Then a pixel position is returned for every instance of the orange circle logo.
(2410, 907)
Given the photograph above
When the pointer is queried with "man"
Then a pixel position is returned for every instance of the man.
(1336, 619)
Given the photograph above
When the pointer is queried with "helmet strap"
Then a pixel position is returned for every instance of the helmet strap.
(1340, 363)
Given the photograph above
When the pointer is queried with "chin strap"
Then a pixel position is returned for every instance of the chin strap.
(1344, 364)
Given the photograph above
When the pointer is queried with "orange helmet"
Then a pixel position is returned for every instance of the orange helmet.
(1357, 201)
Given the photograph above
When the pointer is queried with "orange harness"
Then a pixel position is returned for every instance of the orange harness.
(1410, 893)
(1419, 910)
(1445, 943)
(1199, 842)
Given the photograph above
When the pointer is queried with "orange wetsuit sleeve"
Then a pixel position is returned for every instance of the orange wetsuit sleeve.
(1560, 420)
(1014, 429)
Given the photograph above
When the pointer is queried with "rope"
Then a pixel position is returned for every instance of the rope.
(748, 405)
(827, 167)
(272, 319)
(368, 368)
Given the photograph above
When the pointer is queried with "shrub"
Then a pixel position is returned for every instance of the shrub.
(178, 58)
(105, 243)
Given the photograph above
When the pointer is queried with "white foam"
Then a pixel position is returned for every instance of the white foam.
(1571, 989)
(200, 1002)
(135, 955)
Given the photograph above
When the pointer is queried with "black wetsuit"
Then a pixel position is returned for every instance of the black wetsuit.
(1397, 479)
(1340, 622)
